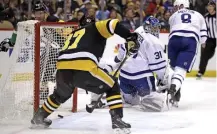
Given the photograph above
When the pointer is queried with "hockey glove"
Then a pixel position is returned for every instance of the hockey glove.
(121, 53)
(165, 82)
(5, 45)
(132, 44)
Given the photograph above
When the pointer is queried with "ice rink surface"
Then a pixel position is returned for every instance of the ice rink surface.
(196, 114)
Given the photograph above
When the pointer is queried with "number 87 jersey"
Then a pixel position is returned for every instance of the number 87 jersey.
(188, 23)
(85, 46)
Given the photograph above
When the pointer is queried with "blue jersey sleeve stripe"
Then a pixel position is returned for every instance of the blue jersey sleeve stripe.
(122, 48)
(204, 36)
(157, 63)
(137, 73)
(177, 79)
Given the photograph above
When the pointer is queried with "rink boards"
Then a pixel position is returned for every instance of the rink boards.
(23, 74)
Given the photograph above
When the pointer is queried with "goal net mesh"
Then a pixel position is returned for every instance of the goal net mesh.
(18, 82)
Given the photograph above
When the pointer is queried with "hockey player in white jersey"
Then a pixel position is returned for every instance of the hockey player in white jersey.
(187, 32)
(137, 81)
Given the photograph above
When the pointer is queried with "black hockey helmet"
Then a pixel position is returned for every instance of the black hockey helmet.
(85, 20)
(39, 6)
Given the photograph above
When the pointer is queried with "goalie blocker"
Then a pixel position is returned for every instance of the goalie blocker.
(78, 67)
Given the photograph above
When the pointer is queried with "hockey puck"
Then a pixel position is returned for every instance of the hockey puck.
(60, 116)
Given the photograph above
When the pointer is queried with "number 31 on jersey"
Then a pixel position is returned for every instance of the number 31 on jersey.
(73, 39)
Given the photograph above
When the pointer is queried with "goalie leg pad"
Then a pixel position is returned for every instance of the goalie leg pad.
(153, 102)
(131, 99)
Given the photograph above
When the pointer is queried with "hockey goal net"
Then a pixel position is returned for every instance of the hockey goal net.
(30, 77)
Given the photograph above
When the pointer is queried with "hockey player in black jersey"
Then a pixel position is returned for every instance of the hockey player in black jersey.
(77, 66)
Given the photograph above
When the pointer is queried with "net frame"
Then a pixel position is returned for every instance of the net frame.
(38, 26)
(21, 82)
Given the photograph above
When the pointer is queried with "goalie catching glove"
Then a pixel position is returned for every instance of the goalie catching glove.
(5, 45)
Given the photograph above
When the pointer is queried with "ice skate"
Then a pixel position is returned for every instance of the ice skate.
(39, 121)
(173, 97)
(119, 126)
(177, 98)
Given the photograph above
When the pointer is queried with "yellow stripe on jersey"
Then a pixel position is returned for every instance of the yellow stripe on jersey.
(116, 106)
(87, 65)
(100, 74)
(106, 27)
(114, 23)
(83, 65)
(113, 97)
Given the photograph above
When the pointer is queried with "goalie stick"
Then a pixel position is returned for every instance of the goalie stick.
(90, 108)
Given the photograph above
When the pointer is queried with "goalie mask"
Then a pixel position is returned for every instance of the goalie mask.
(152, 26)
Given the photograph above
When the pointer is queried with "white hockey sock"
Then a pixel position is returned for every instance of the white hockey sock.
(178, 77)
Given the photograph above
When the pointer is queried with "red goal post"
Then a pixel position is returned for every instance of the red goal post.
(29, 73)
(38, 31)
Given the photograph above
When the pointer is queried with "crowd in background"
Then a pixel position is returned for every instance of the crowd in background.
(130, 12)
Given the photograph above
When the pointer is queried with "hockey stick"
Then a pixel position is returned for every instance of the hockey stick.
(90, 108)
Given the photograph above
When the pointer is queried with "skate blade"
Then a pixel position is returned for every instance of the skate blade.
(170, 103)
(175, 104)
(122, 131)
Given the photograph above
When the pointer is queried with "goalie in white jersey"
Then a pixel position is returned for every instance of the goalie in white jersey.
(187, 31)
(137, 81)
